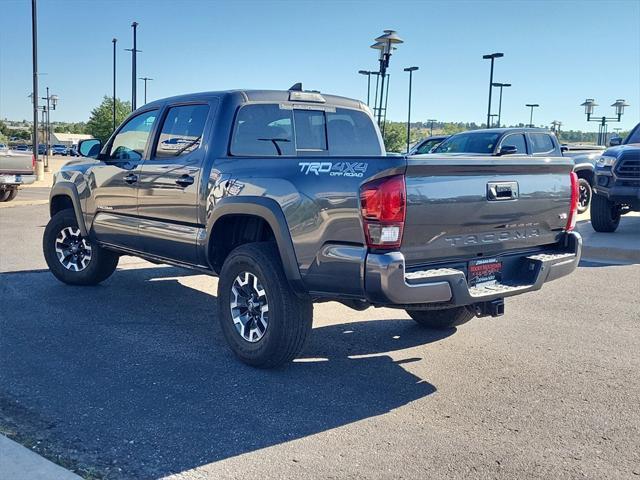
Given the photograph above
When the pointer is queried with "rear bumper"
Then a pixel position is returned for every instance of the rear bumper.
(388, 283)
(13, 180)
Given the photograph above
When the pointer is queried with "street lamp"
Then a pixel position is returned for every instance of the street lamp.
(555, 127)
(410, 70)
(368, 74)
(531, 106)
(501, 85)
(492, 57)
(51, 103)
(145, 79)
(589, 107)
(431, 122)
(385, 45)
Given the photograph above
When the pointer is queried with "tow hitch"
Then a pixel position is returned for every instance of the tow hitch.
(494, 308)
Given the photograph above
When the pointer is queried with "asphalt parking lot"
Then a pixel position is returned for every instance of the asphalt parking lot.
(132, 379)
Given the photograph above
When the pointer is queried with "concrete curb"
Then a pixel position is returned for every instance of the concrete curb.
(20, 463)
(617, 255)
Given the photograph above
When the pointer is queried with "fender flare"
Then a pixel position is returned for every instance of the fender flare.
(584, 167)
(271, 212)
(69, 189)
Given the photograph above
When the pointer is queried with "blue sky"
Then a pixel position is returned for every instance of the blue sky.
(557, 53)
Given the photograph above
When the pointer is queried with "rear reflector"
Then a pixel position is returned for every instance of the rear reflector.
(383, 208)
(573, 208)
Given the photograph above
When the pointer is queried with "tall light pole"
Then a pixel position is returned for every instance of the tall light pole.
(410, 70)
(115, 40)
(492, 57)
(145, 79)
(52, 102)
(501, 85)
(431, 122)
(492, 116)
(134, 51)
(368, 74)
(34, 54)
(531, 106)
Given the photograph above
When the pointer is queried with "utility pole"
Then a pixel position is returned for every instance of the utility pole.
(134, 75)
(34, 51)
(410, 70)
(115, 40)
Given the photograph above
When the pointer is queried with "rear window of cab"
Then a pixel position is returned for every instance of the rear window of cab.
(272, 130)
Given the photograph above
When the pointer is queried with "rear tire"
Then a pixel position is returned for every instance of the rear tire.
(4, 195)
(605, 214)
(264, 322)
(73, 259)
(442, 319)
(584, 195)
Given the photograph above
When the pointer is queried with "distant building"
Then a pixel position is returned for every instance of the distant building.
(68, 139)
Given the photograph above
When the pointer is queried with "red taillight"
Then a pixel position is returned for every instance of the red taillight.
(573, 208)
(383, 208)
(33, 162)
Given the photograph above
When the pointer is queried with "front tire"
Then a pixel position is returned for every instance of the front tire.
(605, 214)
(584, 195)
(72, 258)
(442, 319)
(264, 322)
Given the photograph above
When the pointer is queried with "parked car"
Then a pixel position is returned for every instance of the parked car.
(16, 169)
(427, 144)
(296, 202)
(73, 151)
(21, 148)
(617, 182)
(536, 142)
(42, 149)
(59, 150)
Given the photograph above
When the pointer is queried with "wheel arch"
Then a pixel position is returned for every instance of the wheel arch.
(585, 170)
(65, 195)
(262, 211)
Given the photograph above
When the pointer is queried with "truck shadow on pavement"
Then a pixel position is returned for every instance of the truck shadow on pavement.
(134, 379)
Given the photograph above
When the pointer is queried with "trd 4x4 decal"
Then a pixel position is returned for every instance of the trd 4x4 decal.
(338, 169)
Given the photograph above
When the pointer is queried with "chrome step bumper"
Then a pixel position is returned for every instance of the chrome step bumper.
(387, 282)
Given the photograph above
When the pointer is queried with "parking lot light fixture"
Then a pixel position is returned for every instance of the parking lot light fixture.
(385, 43)
(501, 86)
(431, 121)
(619, 106)
(531, 106)
(492, 57)
(589, 106)
(145, 80)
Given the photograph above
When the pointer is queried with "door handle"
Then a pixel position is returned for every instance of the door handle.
(497, 191)
(185, 180)
(131, 178)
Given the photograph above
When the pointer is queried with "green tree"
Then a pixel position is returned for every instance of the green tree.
(100, 123)
(395, 137)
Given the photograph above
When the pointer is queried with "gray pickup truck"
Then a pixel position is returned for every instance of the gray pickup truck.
(289, 198)
(16, 169)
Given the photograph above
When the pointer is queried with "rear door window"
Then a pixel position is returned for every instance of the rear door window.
(541, 143)
(182, 130)
(516, 140)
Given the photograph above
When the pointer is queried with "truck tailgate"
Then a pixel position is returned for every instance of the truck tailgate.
(462, 208)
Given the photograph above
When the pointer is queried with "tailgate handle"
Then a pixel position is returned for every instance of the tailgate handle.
(497, 191)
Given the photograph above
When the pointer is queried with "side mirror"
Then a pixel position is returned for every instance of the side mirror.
(564, 148)
(615, 141)
(507, 150)
(90, 148)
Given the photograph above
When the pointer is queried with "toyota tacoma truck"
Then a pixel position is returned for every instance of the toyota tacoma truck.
(290, 199)
(617, 183)
(16, 169)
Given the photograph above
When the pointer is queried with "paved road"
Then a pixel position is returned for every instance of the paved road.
(132, 379)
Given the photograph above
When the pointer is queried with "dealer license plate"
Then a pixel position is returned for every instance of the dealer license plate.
(484, 271)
